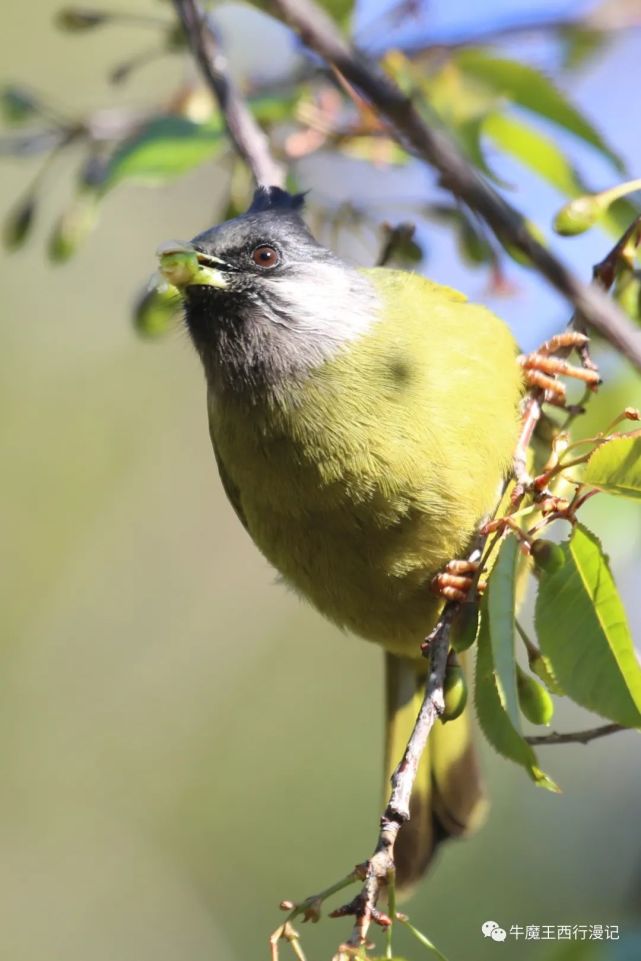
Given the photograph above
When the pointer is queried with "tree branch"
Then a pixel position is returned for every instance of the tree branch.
(248, 139)
(576, 737)
(320, 33)
(379, 869)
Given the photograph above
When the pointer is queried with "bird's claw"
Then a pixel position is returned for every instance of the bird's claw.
(457, 580)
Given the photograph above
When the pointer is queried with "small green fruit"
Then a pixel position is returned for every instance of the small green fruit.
(454, 690)
(466, 628)
(547, 555)
(156, 310)
(534, 700)
(579, 215)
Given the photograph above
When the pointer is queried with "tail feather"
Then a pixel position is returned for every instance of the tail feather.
(448, 798)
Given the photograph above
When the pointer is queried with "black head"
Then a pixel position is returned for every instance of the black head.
(278, 299)
(270, 240)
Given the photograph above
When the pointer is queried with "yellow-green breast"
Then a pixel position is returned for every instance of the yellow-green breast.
(375, 470)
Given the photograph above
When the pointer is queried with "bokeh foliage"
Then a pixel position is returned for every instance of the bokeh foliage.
(101, 473)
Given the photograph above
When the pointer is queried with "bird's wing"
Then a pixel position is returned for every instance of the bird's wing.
(231, 489)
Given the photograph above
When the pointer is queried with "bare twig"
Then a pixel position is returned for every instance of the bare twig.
(576, 737)
(393, 239)
(320, 33)
(248, 139)
(381, 865)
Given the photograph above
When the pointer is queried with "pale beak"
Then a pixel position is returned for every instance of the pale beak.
(183, 266)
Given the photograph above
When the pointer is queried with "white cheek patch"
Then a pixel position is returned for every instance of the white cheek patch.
(328, 304)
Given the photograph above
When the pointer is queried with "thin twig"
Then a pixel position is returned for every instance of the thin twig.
(576, 737)
(381, 865)
(248, 139)
(393, 240)
(321, 34)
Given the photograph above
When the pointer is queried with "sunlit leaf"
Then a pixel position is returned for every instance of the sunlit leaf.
(615, 467)
(500, 608)
(493, 718)
(165, 147)
(530, 88)
(533, 149)
(582, 628)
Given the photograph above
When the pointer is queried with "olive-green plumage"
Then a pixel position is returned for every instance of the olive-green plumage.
(366, 478)
(364, 481)
(362, 424)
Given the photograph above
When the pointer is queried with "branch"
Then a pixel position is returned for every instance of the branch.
(320, 33)
(380, 867)
(576, 737)
(248, 139)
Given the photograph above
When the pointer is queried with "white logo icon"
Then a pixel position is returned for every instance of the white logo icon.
(492, 930)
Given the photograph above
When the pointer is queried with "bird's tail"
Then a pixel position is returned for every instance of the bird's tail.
(448, 798)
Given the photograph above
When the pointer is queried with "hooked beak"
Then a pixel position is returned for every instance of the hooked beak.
(182, 265)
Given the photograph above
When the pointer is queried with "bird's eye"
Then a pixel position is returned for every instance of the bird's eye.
(265, 256)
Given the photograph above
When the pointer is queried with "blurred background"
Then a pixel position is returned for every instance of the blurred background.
(183, 742)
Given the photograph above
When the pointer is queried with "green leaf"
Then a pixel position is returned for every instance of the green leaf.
(500, 607)
(615, 467)
(165, 147)
(340, 10)
(495, 723)
(531, 89)
(19, 222)
(540, 154)
(582, 628)
(534, 150)
(17, 104)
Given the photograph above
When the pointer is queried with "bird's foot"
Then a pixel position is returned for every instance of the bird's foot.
(457, 581)
(541, 368)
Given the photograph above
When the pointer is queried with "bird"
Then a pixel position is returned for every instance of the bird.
(363, 422)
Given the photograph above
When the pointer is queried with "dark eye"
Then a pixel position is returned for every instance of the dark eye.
(265, 256)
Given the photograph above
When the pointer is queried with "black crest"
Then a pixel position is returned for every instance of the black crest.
(273, 198)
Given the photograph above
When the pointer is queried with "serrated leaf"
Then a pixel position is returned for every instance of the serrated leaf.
(531, 89)
(493, 718)
(164, 148)
(501, 592)
(582, 628)
(615, 467)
